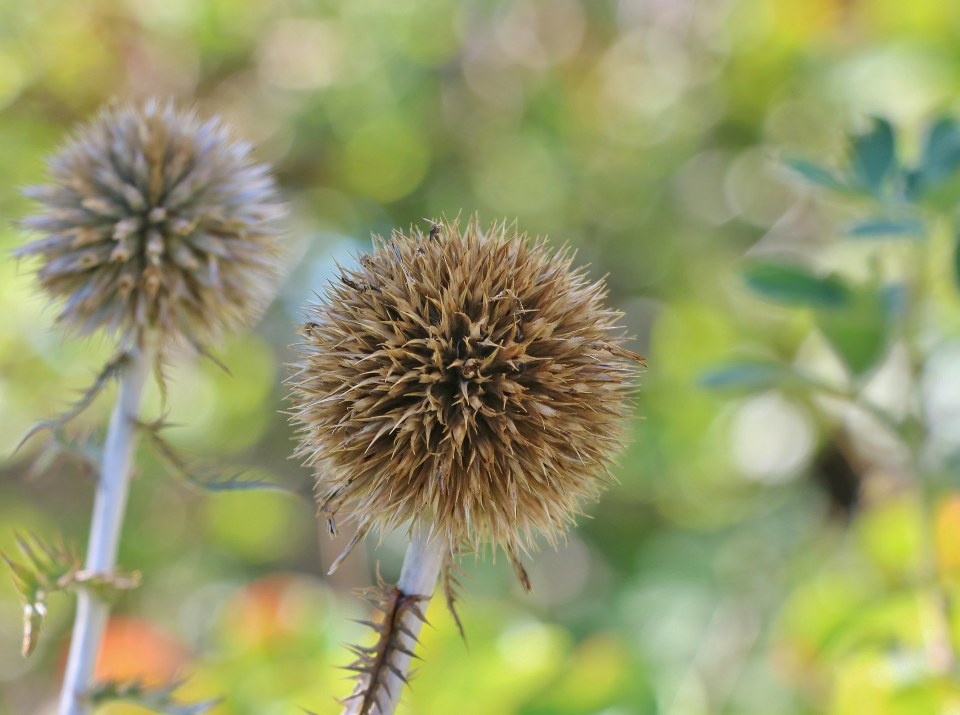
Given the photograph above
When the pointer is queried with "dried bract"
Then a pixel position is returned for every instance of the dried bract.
(466, 379)
(156, 219)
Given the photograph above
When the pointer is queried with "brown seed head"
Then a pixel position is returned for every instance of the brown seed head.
(465, 379)
(156, 219)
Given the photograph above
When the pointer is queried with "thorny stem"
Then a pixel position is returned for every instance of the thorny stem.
(108, 510)
(418, 578)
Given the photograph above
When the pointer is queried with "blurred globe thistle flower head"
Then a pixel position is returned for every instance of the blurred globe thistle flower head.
(469, 380)
(156, 219)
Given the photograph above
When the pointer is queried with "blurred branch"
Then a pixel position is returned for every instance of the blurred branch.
(159, 699)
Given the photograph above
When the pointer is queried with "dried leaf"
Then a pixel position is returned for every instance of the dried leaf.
(107, 585)
(203, 352)
(450, 578)
(83, 452)
(361, 532)
(202, 477)
(160, 375)
(48, 567)
(518, 568)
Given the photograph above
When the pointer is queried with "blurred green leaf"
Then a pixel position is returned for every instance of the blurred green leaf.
(891, 534)
(888, 228)
(936, 179)
(912, 180)
(893, 298)
(926, 694)
(941, 153)
(858, 331)
(872, 155)
(794, 285)
(748, 375)
(816, 174)
(817, 612)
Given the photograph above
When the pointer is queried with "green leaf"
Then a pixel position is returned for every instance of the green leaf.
(912, 181)
(872, 155)
(816, 174)
(794, 285)
(941, 153)
(747, 375)
(888, 228)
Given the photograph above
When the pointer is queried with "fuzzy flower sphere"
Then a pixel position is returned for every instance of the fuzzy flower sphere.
(467, 380)
(156, 219)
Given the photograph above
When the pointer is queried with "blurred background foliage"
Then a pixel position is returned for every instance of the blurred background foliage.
(773, 545)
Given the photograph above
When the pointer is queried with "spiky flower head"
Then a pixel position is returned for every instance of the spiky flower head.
(156, 219)
(467, 380)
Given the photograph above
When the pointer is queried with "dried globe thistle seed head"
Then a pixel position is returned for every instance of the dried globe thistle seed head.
(467, 380)
(156, 219)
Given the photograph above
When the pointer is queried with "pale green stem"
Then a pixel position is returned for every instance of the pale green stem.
(108, 510)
